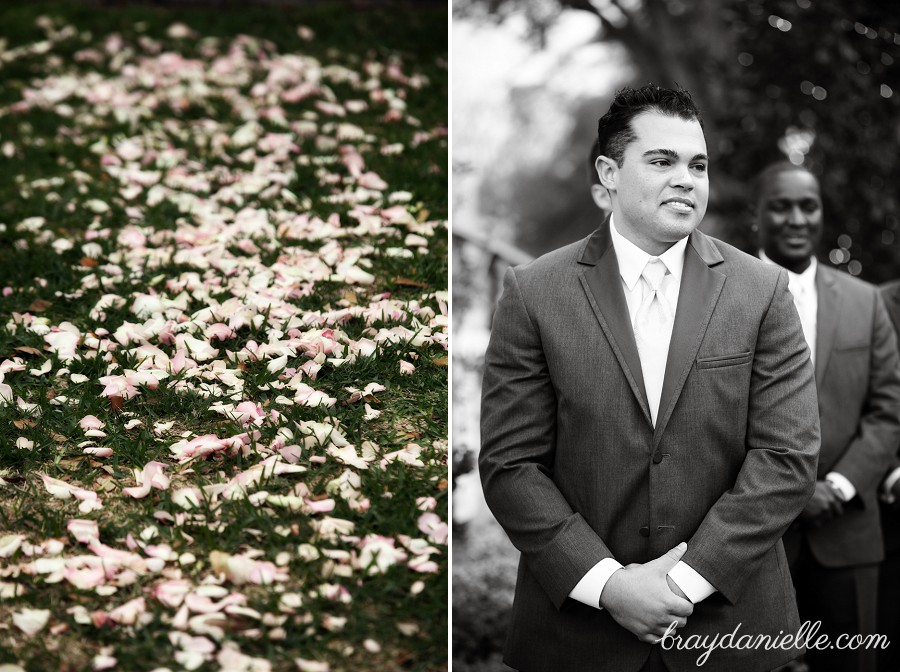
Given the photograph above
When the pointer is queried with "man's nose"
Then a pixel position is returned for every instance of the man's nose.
(681, 177)
(795, 216)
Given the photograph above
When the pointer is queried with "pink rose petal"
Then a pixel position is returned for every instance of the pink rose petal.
(129, 613)
(97, 451)
(320, 506)
(219, 331)
(172, 593)
(84, 531)
(87, 578)
(432, 525)
(151, 476)
(372, 181)
(91, 422)
(62, 490)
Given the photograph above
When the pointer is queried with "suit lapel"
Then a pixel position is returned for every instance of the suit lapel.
(700, 289)
(827, 310)
(891, 295)
(603, 284)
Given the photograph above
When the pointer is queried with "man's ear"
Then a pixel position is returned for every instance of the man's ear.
(753, 214)
(608, 170)
(601, 197)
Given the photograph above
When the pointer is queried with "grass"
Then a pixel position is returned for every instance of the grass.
(133, 216)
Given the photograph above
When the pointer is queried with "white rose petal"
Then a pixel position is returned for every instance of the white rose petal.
(31, 621)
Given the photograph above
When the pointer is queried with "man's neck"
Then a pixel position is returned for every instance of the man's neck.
(651, 247)
(796, 266)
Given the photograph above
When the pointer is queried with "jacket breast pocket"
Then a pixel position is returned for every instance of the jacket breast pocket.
(852, 346)
(722, 361)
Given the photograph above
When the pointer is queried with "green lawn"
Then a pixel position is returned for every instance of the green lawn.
(223, 339)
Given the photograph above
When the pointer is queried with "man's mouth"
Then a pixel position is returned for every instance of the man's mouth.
(680, 204)
(796, 239)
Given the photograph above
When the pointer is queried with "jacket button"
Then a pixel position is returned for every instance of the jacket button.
(644, 531)
(657, 457)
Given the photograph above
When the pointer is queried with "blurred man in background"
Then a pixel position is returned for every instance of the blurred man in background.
(889, 571)
(835, 545)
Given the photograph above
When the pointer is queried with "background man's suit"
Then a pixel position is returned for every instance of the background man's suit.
(859, 400)
(575, 472)
(889, 575)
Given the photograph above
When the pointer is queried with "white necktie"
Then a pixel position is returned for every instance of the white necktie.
(653, 330)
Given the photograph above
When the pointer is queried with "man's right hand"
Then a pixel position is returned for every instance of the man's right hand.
(823, 505)
(638, 597)
(895, 491)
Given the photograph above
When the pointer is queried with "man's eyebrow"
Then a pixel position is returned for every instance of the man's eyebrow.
(672, 154)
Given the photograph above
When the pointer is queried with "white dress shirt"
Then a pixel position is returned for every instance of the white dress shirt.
(887, 494)
(806, 299)
(632, 261)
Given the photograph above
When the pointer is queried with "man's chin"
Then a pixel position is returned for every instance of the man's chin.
(681, 227)
(791, 258)
(795, 253)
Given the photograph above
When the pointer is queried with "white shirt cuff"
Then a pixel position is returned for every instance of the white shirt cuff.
(591, 585)
(691, 583)
(888, 485)
(842, 484)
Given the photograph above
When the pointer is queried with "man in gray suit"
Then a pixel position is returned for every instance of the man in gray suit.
(889, 570)
(649, 424)
(835, 546)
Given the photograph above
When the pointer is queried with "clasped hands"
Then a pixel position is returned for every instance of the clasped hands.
(824, 505)
(644, 600)
(895, 491)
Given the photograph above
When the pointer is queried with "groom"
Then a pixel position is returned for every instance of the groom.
(649, 423)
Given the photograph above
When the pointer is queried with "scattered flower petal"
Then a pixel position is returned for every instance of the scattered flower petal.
(31, 621)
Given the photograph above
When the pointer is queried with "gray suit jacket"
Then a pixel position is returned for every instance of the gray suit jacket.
(858, 384)
(890, 516)
(574, 471)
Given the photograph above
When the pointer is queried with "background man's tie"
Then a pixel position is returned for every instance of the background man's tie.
(653, 330)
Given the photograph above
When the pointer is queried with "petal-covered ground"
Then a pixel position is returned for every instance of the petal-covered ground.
(223, 340)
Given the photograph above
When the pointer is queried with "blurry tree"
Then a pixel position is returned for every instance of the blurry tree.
(812, 79)
(825, 72)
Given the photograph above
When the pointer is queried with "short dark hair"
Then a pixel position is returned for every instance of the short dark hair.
(593, 177)
(614, 130)
(770, 170)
